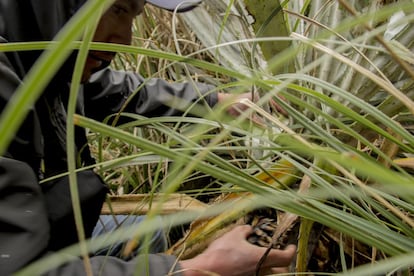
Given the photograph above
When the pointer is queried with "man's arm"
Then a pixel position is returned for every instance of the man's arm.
(152, 265)
(108, 91)
(230, 254)
(24, 226)
(24, 231)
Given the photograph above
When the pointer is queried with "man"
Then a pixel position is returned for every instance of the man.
(34, 219)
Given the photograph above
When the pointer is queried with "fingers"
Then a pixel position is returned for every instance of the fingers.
(232, 249)
(280, 258)
(278, 108)
(259, 121)
(241, 231)
(275, 258)
(236, 107)
(236, 235)
(279, 270)
(273, 271)
(278, 261)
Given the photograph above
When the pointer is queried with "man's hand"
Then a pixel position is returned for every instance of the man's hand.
(232, 254)
(236, 105)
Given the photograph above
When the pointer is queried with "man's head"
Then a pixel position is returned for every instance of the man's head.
(115, 26)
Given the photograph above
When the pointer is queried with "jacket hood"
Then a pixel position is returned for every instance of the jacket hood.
(33, 20)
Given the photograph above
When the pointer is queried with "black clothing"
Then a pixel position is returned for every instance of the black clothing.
(23, 218)
(35, 219)
(24, 230)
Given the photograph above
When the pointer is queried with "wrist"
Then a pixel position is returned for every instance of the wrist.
(201, 265)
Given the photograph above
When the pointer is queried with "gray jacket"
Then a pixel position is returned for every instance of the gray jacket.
(36, 219)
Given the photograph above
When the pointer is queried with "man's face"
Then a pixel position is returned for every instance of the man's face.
(115, 26)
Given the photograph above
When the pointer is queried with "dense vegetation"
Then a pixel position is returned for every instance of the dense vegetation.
(335, 173)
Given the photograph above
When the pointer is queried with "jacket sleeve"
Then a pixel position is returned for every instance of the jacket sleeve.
(91, 190)
(108, 90)
(151, 265)
(24, 226)
(24, 231)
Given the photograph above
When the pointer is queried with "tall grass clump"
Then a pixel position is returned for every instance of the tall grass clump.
(340, 161)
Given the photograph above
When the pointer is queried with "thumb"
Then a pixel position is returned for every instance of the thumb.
(241, 231)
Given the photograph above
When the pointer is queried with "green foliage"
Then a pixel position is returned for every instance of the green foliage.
(349, 101)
